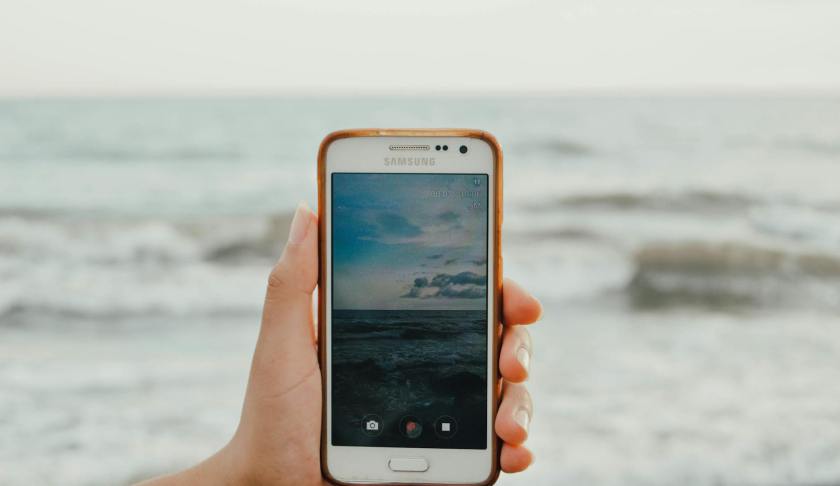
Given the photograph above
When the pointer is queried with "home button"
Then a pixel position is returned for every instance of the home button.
(403, 464)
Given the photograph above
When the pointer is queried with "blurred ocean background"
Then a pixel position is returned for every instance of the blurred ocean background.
(687, 251)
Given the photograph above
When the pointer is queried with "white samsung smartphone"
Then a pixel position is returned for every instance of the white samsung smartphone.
(409, 294)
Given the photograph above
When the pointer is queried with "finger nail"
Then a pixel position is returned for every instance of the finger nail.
(523, 418)
(524, 357)
(300, 224)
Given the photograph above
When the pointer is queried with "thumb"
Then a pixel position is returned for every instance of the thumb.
(286, 345)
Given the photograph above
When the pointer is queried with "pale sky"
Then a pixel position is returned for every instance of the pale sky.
(207, 47)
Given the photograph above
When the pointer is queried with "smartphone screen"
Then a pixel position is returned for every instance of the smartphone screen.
(409, 310)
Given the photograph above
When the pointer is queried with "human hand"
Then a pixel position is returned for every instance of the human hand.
(279, 433)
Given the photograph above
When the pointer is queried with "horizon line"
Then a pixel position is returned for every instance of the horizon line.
(605, 92)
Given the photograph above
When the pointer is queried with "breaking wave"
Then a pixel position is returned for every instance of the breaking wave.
(74, 268)
(733, 274)
(699, 201)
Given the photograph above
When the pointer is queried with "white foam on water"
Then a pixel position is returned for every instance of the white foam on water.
(110, 268)
(111, 407)
(683, 398)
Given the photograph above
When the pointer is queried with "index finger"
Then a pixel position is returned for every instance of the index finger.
(518, 306)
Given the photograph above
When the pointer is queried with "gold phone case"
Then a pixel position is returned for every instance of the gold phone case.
(497, 276)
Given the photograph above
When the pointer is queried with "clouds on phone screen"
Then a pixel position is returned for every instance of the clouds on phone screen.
(408, 241)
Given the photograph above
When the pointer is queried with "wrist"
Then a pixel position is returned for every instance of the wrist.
(220, 469)
(224, 468)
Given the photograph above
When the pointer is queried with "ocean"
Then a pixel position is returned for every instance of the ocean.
(687, 251)
(424, 364)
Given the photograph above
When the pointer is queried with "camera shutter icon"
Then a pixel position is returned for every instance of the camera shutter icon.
(371, 425)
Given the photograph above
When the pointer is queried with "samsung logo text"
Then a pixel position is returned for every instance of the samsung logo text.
(409, 161)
